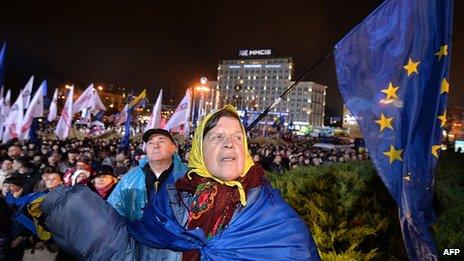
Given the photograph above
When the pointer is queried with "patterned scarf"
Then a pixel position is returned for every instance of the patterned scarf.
(213, 203)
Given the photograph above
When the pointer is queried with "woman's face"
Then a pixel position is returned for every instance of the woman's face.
(223, 149)
(81, 177)
(103, 181)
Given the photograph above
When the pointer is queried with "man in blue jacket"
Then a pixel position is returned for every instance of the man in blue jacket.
(140, 184)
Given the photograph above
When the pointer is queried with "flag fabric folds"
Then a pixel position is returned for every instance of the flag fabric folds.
(89, 99)
(53, 111)
(2, 65)
(181, 114)
(122, 117)
(26, 92)
(35, 110)
(155, 118)
(64, 123)
(13, 120)
(6, 106)
(392, 72)
(138, 100)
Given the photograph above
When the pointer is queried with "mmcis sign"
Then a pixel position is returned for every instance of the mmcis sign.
(255, 52)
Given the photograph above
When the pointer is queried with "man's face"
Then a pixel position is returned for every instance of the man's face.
(7, 165)
(14, 151)
(72, 156)
(52, 180)
(160, 147)
(5, 188)
(16, 165)
(223, 149)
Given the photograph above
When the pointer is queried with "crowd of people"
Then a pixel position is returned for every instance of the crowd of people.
(31, 170)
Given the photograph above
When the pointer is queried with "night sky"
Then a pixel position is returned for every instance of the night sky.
(170, 46)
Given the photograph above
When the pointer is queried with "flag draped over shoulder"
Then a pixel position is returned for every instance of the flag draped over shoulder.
(392, 71)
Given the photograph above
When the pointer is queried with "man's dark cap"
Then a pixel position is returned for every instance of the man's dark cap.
(151, 132)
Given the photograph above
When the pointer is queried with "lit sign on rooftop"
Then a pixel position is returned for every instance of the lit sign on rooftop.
(255, 52)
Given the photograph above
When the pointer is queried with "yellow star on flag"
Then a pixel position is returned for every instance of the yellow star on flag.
(391, 91)
(444, 86)
(384, 122)
(443, 119)
(411, 67)
(435, 149)
(393, 154)
(442, 52)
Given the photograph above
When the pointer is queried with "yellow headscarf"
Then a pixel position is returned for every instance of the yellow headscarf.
(197, 164)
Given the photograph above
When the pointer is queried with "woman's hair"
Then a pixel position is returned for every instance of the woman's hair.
(212, 122)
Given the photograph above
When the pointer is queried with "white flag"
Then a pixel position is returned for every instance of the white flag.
(26, 92)
(64, 123)
(181, 115)
(155, 118)
(35, 110)
(13, 121)
(96, 103)
(6, 104)
(83, 102)
(89, 99)
(122, 118)
(53, 111)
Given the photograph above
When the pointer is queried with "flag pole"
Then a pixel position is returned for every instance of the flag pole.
(289, 89)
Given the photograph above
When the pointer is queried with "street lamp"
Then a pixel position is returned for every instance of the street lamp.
(100, 88)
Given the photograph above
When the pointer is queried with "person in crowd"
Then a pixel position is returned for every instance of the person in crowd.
(277, 165)
(26, 171)
(162, 166)
(104, 181)
(120, 168)
(223, 184)
(81, 164)
(80, 176)
(14, 151)
(70, 161)
(6, 169)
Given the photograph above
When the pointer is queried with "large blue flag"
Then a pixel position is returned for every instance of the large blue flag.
(392, 72)
(2, 64)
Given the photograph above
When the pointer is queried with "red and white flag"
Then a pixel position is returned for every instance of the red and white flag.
(13, 121)
(35, 110)
(53, 111)
(89, 99)
(181, 115)
(122, 117)
(6, 106)
(64, 123)
(26, 92)
(155, 118)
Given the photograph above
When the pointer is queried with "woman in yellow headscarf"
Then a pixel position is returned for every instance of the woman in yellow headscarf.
(221, 174)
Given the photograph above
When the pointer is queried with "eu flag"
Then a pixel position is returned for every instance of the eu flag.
(392, 72)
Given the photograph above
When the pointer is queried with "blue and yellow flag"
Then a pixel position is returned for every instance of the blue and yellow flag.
(392, 71)
(139, 99)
